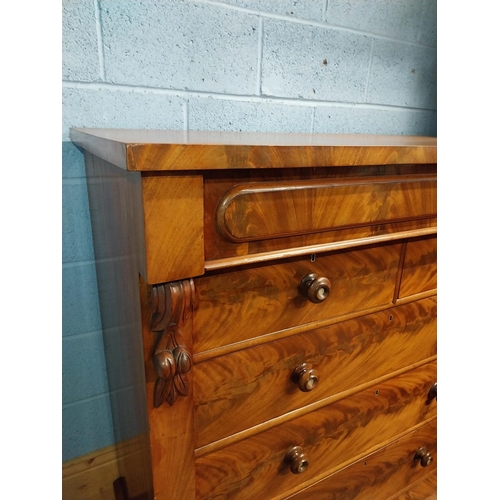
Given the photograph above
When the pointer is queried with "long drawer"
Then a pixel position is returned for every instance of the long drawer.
(264, 210)
(237, 305)
(250, 212)
(383, 474)
(264, 382)
(328, 438)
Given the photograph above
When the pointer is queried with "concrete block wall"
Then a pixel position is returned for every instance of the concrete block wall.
(86, 411)
(362, 66)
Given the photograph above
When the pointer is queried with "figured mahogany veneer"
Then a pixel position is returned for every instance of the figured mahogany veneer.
(307, 217)
(420, 266)
(165, 197)
(162, 150)
(344, 355)
(258, 211)
(379, 475)
(331, 436)
(269, 310)
(241, 304)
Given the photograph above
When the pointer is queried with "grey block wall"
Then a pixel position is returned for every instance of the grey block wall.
(363, 66)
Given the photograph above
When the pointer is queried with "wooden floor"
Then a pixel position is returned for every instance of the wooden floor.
(424, 490)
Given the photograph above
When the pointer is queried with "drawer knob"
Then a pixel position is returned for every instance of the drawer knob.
(306, 377)
(424, 456)
(297, 460)
(433, 392)
(314, 288)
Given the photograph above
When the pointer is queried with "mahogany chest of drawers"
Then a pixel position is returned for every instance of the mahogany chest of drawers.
(269, 311)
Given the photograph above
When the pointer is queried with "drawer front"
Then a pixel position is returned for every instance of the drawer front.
(329, 437)
(247, 213)
(382, 474)
(234, 306)
(420, 267)
(265, 210)
(255, 385)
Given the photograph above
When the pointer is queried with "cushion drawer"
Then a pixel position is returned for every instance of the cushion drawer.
(420, 266)
(381, 474)
(266, 210)
(331, 437)
(246, 303)
(344, 356)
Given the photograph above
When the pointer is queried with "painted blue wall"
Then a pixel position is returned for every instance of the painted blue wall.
(364, 66)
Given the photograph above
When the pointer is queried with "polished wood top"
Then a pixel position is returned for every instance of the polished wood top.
(174, 150)
(141, 136)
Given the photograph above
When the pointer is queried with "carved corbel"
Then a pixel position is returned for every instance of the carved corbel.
(170, 303)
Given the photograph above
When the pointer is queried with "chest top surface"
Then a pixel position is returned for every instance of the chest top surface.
(173, 150)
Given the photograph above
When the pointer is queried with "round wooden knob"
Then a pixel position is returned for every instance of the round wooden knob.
(424, 456)
(297, 460)
(306, 377)
(433, 392)
(315, 288)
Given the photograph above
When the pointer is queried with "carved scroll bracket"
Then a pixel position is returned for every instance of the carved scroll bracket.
(171, 304)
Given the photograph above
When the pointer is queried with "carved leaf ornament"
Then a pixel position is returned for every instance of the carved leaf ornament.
(171, 358)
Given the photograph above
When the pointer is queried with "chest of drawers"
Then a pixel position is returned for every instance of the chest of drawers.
(269, 311)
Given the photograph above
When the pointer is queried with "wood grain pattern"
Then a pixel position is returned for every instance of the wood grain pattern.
(147, 157)
(91, 476)
(171, 428)
(300, 412)
(115, 203)
(266, 210)
(315, 249)
(379, 475)
(197, 150)
(116, 214)
(173, 224)
(237, 305)
(218, 183)
(171, 358)
(426, 489)
(331, 436)
(99, 145)
(420, 266)
(345, 355)
(244, 320)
